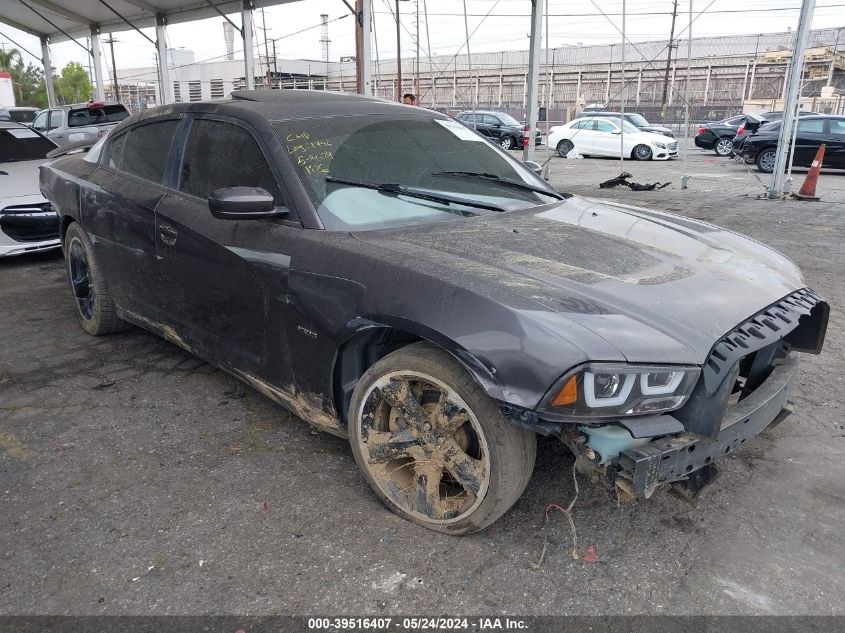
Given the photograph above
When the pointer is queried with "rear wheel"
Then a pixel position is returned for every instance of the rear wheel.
(433, 445)
(564, 147)
(766, 160)
(94, 305)
(641, 152)
(724, 147)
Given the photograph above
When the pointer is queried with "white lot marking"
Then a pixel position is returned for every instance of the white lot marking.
(746, 596)
(391, 583)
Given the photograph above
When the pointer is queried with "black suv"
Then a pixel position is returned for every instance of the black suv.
(637, 120)
(500, 127)
(813, 131)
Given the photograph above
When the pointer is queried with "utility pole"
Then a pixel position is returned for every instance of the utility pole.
(111, 42)
(469, 57)
(275, 68)
(791, 99)
(266, 47)
(417, 80)
(398, 56)
(533, 77)
(668, 62)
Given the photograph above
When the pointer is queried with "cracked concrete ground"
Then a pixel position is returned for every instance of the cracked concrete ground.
(136, 479)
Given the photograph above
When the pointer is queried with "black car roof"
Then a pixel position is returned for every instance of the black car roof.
(282, 105)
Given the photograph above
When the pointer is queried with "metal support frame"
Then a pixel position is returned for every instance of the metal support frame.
(100, 89)
(48, 71)
(249, 59)
(791, 99)
(365, 54)
(165, 87)
(533, 76)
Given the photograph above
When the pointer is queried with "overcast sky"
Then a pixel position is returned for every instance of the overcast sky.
(506, 28)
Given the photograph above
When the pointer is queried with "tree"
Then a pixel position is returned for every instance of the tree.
(8, 59)
(74, 85)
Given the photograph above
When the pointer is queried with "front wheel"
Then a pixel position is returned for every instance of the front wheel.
(433, 445)
(564, 147)
(642, 152)
(766, 160)
(724, 147)
(507, 142)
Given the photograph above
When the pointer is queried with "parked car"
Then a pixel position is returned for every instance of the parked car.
(83, 121)
(761, 147)
(637, 120)
(600, 137)
(499, 127)
(393, 279)
(753, 122)
(19, 114)
(719, 135)
(27, 221)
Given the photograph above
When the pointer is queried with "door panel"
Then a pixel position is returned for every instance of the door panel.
(118, 211)
(605, 142)
(227, 278)
(809, 137)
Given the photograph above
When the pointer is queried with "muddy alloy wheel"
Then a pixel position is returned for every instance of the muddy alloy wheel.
(642, 152)
(564, 147)
(433, 446)
(506, 142)
(724, 147)
(94, 305)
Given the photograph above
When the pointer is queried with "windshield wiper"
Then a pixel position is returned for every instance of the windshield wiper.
(413, 192)
(499, 179)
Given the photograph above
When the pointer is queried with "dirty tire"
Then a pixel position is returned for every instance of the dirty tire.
(433, 445)
(564, 147)
(724, 147)
(641, 152)
(93, 301)
(766, 160)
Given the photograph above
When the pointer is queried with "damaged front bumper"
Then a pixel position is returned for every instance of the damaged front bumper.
(675, 458)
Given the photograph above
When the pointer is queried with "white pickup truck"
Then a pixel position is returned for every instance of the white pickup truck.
(68, 124)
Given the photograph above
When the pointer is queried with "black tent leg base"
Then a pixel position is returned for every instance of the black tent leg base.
(690, 488)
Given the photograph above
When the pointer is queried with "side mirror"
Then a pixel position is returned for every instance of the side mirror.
(537, 168)
(242, 203)
(497, 125)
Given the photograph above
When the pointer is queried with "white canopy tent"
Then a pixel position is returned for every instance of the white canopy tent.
(63, 20)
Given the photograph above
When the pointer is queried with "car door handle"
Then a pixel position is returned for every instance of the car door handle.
(167, 234)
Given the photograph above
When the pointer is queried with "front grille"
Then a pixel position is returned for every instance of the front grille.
(30, 222)
(673, 147)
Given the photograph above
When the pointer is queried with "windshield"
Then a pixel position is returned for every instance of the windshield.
(22, 143)
(507, 119)
(23, 116)
(409, 150)
(636, 119)
(79, 117)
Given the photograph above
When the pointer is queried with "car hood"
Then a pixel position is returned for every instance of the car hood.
(648, 137)
(656, 129)
(657, 287)
(19, 179)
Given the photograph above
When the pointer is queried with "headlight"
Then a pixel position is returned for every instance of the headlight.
(660, 145)
(606, 390)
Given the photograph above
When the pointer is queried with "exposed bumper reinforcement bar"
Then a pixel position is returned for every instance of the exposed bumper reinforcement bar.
(675, 458)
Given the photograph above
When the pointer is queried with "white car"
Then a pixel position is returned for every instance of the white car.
(594, 136)
(28, 222)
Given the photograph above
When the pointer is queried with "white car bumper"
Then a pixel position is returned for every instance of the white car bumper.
(27, 225)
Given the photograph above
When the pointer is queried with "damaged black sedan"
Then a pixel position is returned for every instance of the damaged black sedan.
(391, 276)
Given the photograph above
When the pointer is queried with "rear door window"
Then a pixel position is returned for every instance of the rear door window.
(80, 117)
(220, 154)
(145, 149)
(811, 126)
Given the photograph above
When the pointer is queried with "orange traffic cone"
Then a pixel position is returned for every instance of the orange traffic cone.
(808, 189)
